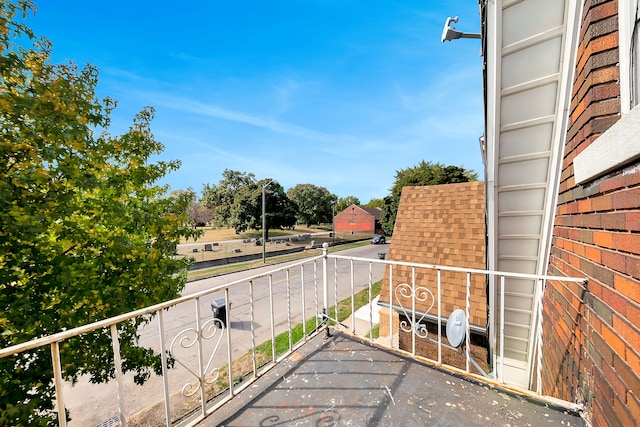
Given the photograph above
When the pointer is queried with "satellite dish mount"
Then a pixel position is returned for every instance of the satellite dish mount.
(450, 33)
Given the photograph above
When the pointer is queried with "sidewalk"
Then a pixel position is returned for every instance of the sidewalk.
(361, 318)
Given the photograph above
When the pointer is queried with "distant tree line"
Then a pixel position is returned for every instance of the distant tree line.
(236, 201)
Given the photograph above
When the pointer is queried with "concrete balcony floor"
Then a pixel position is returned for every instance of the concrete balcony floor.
(342, 381)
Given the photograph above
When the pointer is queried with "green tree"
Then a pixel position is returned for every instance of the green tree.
(314, 204)
(188, 193)
(425, 173)
(344, 202)
(221, 198)
(375, 203)
(246, 212)
(86, 232)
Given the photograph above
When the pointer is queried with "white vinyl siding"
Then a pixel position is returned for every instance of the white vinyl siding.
(530, 62)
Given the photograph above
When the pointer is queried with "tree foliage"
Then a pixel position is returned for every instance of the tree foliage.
(86, 232)
(425, 173)
(374, 203)
(221, 198)
(246, 212)
(344, 202)
(314, 204)
(236, 202)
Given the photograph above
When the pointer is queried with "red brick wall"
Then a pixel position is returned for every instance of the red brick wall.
(354, 219)
(592, 335)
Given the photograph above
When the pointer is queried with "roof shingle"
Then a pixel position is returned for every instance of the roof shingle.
(441, 225)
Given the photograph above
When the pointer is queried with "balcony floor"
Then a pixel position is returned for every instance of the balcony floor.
(343, 381)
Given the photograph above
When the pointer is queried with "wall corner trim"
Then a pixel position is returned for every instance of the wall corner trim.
(619, 145)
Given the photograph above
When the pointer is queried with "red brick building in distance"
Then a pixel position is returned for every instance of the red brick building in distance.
(357, 220)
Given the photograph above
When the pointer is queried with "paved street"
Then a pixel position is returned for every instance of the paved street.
(91, 404)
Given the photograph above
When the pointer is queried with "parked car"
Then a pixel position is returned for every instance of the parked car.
(378, 240)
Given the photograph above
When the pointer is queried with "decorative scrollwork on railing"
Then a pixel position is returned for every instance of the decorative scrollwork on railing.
(419, 294)
(188, 338)
(327, 417)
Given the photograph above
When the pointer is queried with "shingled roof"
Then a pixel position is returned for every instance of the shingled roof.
(441, 225)
(376, 212)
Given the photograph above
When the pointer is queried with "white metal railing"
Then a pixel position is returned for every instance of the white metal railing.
(301, 280)
(413, 321)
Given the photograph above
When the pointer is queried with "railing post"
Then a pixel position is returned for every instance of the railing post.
(57, 378)
(227, 329)
(353, 302)
(353, 313)
(391, 308)
(414, 325)
(502, 287)
(165, 374)
(541, 286)
(117, 362)
(201, 366)
(467, 330)
(253, 330)
(439, 278)
(325, 288)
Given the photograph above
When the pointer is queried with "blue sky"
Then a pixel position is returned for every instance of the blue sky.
(340, 94)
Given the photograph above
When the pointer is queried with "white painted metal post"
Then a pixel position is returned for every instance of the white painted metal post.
(288, 280)
(353, 300)
(57, 379)
(229, 350)
(414, 327)
(117, 362)
(315, 291)
(539, 337)
(165, 371)
(391, 306)
(253, 330)
(370, 304)
(335, 289)
(303, 308)
(439, 318)
(502, 280)
(273, 326)
(468, 330)
(325, 288)
(201, 368)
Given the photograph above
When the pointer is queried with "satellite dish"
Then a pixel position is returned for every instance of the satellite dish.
(456, 328)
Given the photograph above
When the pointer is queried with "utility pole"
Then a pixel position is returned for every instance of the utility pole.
(264, 223)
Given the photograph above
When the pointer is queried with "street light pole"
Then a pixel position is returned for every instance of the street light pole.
(264, 223)
(333, 222)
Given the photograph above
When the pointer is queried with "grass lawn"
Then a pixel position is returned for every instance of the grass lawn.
(217, 244)
(230, 268)
(211, 234)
